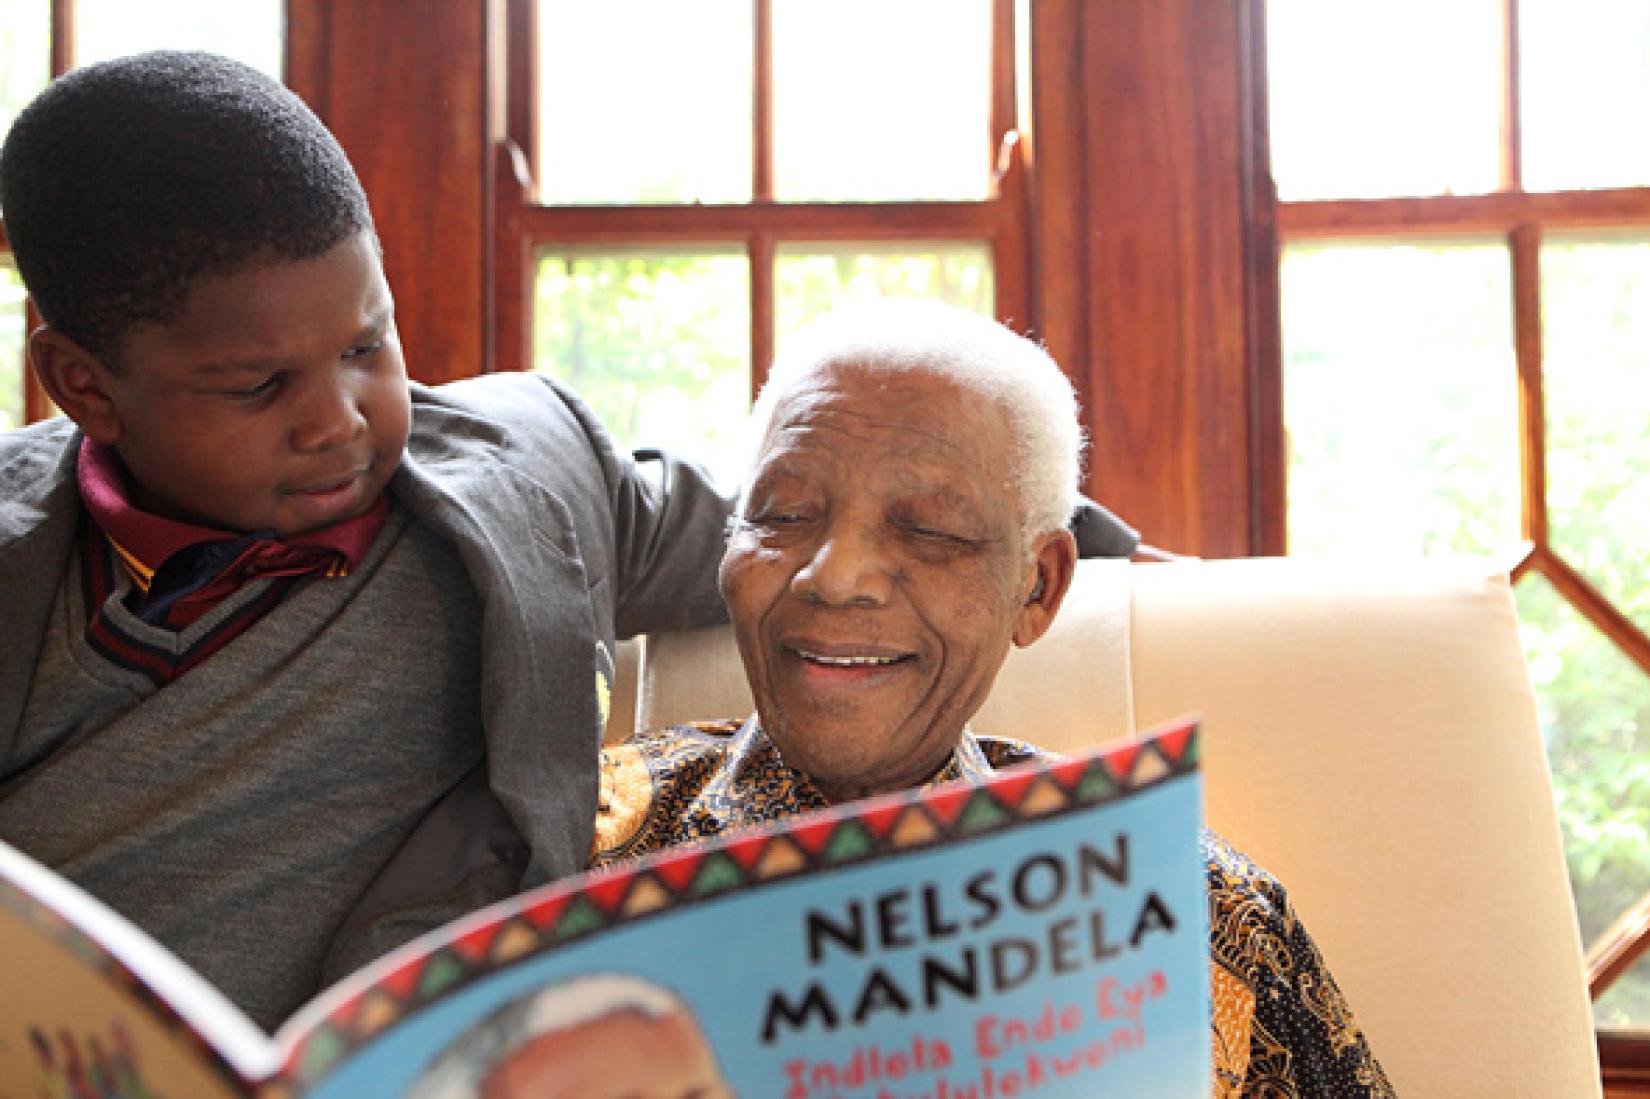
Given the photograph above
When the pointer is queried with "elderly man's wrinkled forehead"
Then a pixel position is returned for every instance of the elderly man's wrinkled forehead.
(909, 416)
(993, 367)
(848, 429)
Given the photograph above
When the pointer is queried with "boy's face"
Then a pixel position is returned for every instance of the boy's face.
(276, 401)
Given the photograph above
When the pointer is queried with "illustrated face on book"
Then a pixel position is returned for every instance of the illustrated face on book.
(880, 572)
(626, 1054)
(275, 400)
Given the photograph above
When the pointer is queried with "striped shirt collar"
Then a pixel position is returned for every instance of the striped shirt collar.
(145, 541)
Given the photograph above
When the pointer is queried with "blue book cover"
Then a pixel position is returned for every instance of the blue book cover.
(1040, 934)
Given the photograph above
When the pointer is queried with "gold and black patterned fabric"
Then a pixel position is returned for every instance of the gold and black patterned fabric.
(1280, 1027)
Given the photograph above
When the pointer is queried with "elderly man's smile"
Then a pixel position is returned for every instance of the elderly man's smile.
(847, 661)
(815, 667)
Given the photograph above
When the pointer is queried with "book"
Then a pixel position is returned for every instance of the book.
(1042, 933)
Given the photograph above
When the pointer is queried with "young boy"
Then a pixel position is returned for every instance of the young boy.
(303, 660)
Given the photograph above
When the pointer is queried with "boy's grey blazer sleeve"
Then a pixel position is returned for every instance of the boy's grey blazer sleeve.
(667, 532)
(673, 521)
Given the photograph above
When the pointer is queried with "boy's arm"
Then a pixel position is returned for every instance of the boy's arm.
(669, 528)
(670, 532)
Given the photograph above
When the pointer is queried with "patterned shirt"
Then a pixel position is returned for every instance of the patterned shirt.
(1280, 1028)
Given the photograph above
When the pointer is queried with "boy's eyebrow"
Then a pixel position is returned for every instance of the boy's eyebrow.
(235, 366)
(374, 327)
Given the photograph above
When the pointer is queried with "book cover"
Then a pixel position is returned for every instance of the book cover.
(1042, 933)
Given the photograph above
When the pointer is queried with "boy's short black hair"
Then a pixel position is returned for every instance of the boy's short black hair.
(124, 182)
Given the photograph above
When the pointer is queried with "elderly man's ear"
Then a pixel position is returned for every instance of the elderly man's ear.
(1055, 557)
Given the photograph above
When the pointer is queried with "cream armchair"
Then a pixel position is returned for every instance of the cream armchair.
(1370, 738)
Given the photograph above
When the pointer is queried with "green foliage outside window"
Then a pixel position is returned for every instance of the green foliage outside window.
(813, 279)
(11, 347)
(1596, 338)
(1595, 701)
(1400, 400)
(1400, 385)
(1595, 715)
(656, 343)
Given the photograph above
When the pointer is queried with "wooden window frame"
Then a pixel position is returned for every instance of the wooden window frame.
(36, 405)
(1521, 219)
(758, 227)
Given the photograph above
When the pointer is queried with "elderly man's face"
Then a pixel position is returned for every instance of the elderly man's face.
(625, 1055)
(878, 576)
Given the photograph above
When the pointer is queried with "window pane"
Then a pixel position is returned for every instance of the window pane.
(1595, 716)
(657, 342)
(1377, 100)
(1585, 102)
(882, 100)
(812, 279)
(25, 54)
(1596, 314)
(12, 321)
(253, 31)
(1627, 1002)
(1400, 399)
(644, 101)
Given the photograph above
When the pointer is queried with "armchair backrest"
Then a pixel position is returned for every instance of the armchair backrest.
(1370, 738)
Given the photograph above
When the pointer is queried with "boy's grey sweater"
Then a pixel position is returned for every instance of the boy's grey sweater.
(511, 487)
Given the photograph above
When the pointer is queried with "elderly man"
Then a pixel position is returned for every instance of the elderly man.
(901, 527)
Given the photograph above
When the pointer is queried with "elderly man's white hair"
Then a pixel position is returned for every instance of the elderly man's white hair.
(969, 350)
(461, 1069)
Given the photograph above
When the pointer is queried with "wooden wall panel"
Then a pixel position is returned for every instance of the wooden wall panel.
(1144, 268)
(1060, 226)
(403, 84)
